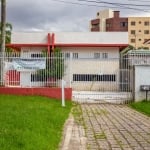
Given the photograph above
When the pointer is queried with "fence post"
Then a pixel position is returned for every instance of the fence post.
(63, 92)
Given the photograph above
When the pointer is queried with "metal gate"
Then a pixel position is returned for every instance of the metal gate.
(101, 79)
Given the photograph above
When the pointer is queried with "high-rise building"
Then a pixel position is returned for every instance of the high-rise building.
(138, 28)
(109, 20)
(139, 31)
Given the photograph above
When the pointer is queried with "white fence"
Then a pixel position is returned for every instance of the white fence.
(82, 72)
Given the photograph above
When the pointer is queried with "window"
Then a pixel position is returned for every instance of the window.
(146, 31)
(132, 23)
(139, 39)
(67, 55)
(36, 55)
(146, 23)
(139, 30)
(94, 77)
(96, 55)
(75, 55)
(104, 55)
(132, 31)
(132, 40)
(108, 25)
(123, 24)
(139, 22)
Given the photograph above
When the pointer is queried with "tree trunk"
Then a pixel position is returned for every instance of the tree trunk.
(3, 26)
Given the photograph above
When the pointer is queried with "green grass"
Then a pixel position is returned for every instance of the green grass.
(31, 122)
(143, 106)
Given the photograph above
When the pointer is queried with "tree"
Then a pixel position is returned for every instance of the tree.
(54, 68)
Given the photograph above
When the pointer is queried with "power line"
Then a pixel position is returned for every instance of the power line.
(120, 4)
(117, 5)
(139, 1)
(82, 4)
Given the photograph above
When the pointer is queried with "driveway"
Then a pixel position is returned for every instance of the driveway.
(108, 127)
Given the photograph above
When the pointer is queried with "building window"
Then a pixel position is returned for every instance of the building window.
(139, 22)
(132, 23)
(36, 55)
(139, 30)
(146, 31)
(132, 40)
(139, 39)
(67, 55)
(108, 25)
(75, 55)
(94, 77)
(96, 55)
(104, 55)
(146, 23)
(123, 24)
(132, 31)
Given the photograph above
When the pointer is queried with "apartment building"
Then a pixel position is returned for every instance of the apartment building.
(109, 20)
(139, 31)
(138, 28)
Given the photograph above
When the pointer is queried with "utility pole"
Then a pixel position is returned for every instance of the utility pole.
(3, 27)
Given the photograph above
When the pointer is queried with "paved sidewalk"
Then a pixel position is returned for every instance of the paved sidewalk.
(110, 127)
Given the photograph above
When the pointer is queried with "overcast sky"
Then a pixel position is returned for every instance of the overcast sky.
(61, 15)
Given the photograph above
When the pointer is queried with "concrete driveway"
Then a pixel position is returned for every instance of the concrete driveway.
(108, 127)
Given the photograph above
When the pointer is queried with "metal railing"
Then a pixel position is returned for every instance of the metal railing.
(81, 71)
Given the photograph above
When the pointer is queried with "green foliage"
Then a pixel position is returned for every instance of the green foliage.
(130, 47)
(31, 122)
(8, 31)
(54, 65)
(143, 107)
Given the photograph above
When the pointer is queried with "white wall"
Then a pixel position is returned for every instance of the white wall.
(92, 37)
(142, 77)
(71, 37)
(29, 37)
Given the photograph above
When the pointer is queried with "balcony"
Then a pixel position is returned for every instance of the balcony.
(94, 29)
(95, 21)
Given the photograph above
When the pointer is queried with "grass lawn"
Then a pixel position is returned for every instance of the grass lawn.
(143, 107)
(31, 122)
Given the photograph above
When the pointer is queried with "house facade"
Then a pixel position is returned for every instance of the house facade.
(91, 58)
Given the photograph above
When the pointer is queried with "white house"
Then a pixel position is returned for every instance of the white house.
(90, 56)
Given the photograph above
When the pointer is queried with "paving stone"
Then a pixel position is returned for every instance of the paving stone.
(115, 127)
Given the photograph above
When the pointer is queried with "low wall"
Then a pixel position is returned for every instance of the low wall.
(48, 92)
(142, 77)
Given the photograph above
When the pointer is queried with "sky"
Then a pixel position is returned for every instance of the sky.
(66, 15)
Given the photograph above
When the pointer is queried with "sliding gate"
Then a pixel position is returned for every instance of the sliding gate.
(101, 79)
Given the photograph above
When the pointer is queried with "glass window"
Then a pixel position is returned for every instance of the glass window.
(104, 55)
(67, 55)
(132, 23)
(146, 23)
(123, 24)
(75, 55)
(96, 55)
(132, 31)
(146, 31)
(132, 40)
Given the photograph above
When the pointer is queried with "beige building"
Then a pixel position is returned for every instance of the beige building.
(138, 28)
(139, 31)
(99, 23)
